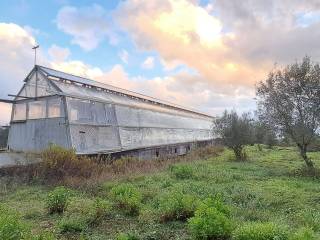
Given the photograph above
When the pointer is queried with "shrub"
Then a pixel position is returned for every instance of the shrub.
(304, 234)
(59, 163)
(211, 221)
(126, 236)
(57, 200)
(182, 171)
(176, 206)
(73, 222)
(11, 227)
(261, 231)
(100, 210)
(127, 198)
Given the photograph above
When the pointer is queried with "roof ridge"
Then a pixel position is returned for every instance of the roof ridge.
(125, 91)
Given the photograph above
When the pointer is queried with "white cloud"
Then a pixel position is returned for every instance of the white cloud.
(17, 59)
(183, 88)
(148, 63)
(87, 25)
(124, 56)
(171, 64)
(58, 54)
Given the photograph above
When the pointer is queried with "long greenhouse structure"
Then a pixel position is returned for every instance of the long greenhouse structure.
(54, 107)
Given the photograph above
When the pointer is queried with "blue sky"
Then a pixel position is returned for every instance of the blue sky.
(41, 16)
(204, 54)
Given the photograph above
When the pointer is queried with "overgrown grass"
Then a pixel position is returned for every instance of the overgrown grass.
(256, 196)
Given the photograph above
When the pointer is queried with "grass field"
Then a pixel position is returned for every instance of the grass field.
(266, 188)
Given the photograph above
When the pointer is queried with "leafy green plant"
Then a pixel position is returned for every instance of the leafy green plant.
(100, 210)
(57, 200)
(176, 205)
(11, 226)
(44, 236)
(73, 222)
(127, 198)
(211, 221)
(309, 218)
(304, 234)
(261, 231)
(181, 171)
(126, 236)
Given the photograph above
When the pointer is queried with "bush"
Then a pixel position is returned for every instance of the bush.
(73, 222)
(127, 198)
(57, 200)
(182, 171)
(176, 206)
(100, 210)
(83, 213)
(304, 234)
(126, 236)
(261, 231)
(11, 227)
(211, 221)
(59, 163)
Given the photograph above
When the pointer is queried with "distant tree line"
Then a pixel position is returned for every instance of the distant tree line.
(3, 136)
(288, 111)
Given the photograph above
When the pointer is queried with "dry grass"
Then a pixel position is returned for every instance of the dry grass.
(63, 167)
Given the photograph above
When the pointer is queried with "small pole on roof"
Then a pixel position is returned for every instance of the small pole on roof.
(35, 63)
(35, 53)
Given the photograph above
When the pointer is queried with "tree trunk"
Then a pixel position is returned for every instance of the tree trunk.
(303, 153)
(240, 155)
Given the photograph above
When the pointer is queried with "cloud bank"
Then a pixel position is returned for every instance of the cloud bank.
(211, 55)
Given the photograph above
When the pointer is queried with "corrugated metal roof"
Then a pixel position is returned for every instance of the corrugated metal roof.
(85, 81)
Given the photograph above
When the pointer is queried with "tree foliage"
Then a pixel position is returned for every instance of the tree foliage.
(264, 134)
(289, 100)
(236, 132)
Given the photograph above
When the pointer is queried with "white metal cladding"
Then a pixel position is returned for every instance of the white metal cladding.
(92, 139)
(136, 137)
(36, 135)
(134, 117)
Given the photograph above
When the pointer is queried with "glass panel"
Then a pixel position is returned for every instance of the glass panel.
(98, 113)
(110, 114)
(55, 108)
(19, 111)
(85, 111)
(79, 110)
(37, 109)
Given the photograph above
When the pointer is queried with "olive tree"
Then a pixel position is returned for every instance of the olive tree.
(235, 131)
(264, 134)
(289, 100)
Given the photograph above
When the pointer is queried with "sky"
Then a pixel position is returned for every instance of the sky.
(203, 54)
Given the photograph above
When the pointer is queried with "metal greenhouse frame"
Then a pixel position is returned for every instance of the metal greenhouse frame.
(95, 118)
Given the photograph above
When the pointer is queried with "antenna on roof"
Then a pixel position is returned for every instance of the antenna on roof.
(35, 53)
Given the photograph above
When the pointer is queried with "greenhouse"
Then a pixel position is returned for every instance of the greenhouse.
(54, 107)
